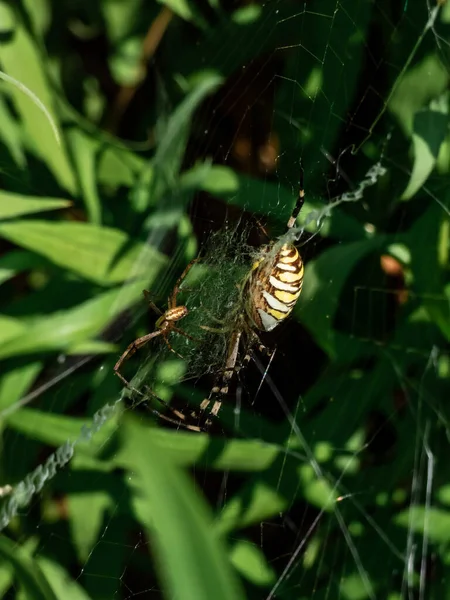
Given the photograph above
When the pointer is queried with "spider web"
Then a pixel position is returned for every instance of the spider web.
(352, 504)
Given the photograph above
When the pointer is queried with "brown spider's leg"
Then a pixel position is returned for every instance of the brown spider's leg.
(180, 420)
(212, 329)
(212, 317)
(170, 347)
(151, 303)
(222, 390)
(180, 423)
(172, 301)
(253, 340)
(130, 351)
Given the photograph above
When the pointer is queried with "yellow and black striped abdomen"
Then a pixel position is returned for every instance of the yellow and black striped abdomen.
(273, 287)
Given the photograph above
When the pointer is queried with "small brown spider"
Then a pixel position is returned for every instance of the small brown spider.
(164, 325)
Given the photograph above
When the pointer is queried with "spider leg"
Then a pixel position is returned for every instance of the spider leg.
(151, 303)
(179, 421)
(172, 301)
(130, 351)
(170, 347)
(222, 390)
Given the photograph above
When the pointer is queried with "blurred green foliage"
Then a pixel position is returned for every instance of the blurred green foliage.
(174, 118)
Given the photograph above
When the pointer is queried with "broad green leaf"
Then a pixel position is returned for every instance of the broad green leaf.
(84, 150)
(55, 430)
(10, 134)
(430, 130)
(10, 328)
(15, 383)
(256, 502)
(14, 205)
(63, 585)
(100, 254)
(247, 14)
(118, 167)
(324, 281)
(429, 246)
(52, 429)
(21, 59)
(185, 449)
(31, 578)
(120, 18)
(86, 513)
(69, 328)
(424, 82)
(251, 563)
(174, 135)
(192, 560)
(91, 347)
(428, 520)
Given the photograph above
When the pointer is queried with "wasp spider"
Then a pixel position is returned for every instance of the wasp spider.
(268, 296)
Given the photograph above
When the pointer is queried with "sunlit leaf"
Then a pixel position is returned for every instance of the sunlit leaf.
(32, 579)
(101, 254)
(66, 329)
(15, 205)
(22, 60)
(192, 559)
(324, 280)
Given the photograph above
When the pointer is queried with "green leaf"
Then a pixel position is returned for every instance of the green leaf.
(16, 383)
(14, 205)
(10, 134)
(61, 582)
(432, 522)
(174, 135)
(22, 60)
(192, 561)
(251, 563)
(86, 512)
(324, 281)
(430, 130)
(185, 449)
(10, 328)
(56, 430)
(426, 81)
(32, 580)
(84, 151)
(100, 254)
(69, 328)
(428, 243)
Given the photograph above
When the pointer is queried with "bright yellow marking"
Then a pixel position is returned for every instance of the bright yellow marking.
(285, 297)
(279, 316)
